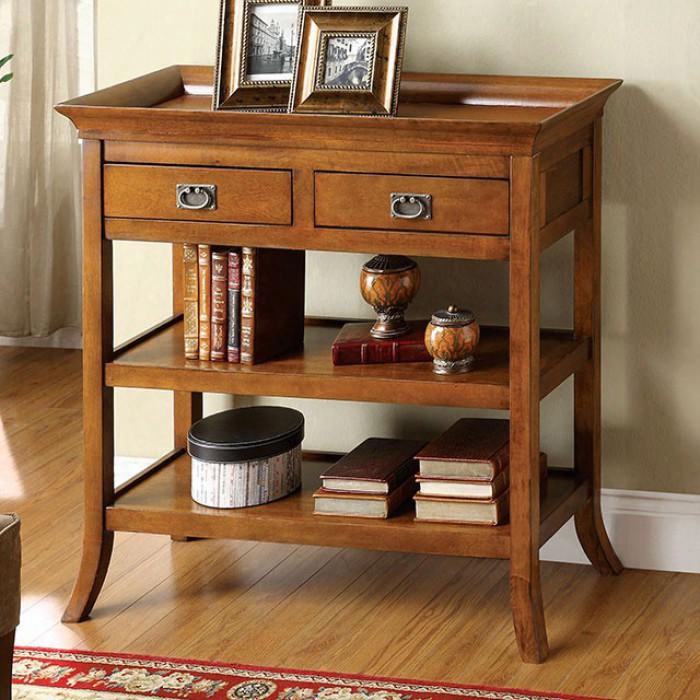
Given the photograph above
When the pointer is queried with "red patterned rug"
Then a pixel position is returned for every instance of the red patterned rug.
(46, 674)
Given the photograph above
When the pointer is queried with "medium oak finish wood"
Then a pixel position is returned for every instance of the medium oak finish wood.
(98, 398)
(242, 196)
(347, 200)
(513, 165)
(162, 505)
(633, 636)
(159, 363)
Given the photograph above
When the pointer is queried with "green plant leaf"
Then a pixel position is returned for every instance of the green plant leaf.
(6, 78)
(5, 60)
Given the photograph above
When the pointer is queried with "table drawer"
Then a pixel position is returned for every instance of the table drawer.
(215, 194)
(438, 204)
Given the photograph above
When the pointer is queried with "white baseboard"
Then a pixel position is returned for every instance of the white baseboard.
(649, 530)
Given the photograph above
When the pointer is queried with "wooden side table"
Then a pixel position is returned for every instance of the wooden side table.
(512, 164)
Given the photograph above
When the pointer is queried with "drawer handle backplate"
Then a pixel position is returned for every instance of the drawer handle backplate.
(411, 206)
(196, 197)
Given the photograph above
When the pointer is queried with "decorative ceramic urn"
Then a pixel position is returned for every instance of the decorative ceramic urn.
(451, 338)
(389, 284)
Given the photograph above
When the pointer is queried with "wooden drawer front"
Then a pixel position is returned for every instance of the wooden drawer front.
(242, 196)
(459, 205)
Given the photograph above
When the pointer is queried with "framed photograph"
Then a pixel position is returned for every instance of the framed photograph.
(349, 61)
(257, 50)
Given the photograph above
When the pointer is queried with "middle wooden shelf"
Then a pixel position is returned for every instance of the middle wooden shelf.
(157, 362)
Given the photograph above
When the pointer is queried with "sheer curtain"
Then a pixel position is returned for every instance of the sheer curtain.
(53, 46)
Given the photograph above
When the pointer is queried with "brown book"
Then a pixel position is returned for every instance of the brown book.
(467, 489)
(204, 302)
(234, 306)
(363, 505)
(191, 301)
(474, 489)
(461, 510)
(219, 304)
(378, 465)
(272, 303)
(473, 448)
(356, 346)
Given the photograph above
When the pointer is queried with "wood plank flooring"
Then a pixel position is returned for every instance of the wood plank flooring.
(435, 618)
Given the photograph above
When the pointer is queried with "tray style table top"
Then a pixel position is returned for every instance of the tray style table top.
(437, 112)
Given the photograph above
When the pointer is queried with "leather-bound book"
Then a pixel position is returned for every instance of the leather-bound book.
(475, 489)
(460, 510)
(234, 306)
(473, 448)
(272, 303)
(219, 305)
(363, 505)
(191, 301)
(204, 302)
(469, 489)
(378, 465)
(355, 346)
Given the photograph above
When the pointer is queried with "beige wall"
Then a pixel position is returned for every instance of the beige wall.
(651, 217)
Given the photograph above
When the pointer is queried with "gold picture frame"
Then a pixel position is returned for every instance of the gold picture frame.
(349, 60)
(256, 53)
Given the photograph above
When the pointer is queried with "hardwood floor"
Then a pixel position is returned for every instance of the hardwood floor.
(435, 618)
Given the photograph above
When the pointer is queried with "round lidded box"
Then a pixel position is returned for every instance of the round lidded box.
(246, 456)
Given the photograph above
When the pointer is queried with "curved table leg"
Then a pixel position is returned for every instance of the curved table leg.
(593, 537)
(587, 384)
(93, 570)
(98, 399)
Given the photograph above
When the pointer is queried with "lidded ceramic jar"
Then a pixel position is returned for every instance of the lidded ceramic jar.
(389, 283)
(451, 338)
(246, 456)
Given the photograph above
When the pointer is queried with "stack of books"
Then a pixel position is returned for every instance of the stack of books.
(242, 304)
(372, 481)
(464, 475)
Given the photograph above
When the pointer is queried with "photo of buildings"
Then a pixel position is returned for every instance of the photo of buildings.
(273, 41)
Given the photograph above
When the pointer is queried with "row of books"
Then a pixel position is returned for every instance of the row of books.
(242, 305)
(462, 476)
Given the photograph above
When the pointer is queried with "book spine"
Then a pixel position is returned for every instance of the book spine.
(248, 306)
(219, 304)
(234, 306)
(204, 302)
(377, 354)
(191, 301)
(407, 472)
(500, 460)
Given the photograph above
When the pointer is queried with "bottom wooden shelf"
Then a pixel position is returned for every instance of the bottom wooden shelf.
(161, 504)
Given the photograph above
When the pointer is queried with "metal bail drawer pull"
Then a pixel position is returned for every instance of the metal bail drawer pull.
(411, 206)
(196, 197)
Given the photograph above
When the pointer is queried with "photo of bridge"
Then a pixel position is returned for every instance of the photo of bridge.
(348, 62)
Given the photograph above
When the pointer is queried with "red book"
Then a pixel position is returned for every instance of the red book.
(355, 346)
(219, 305)
(234, 306)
